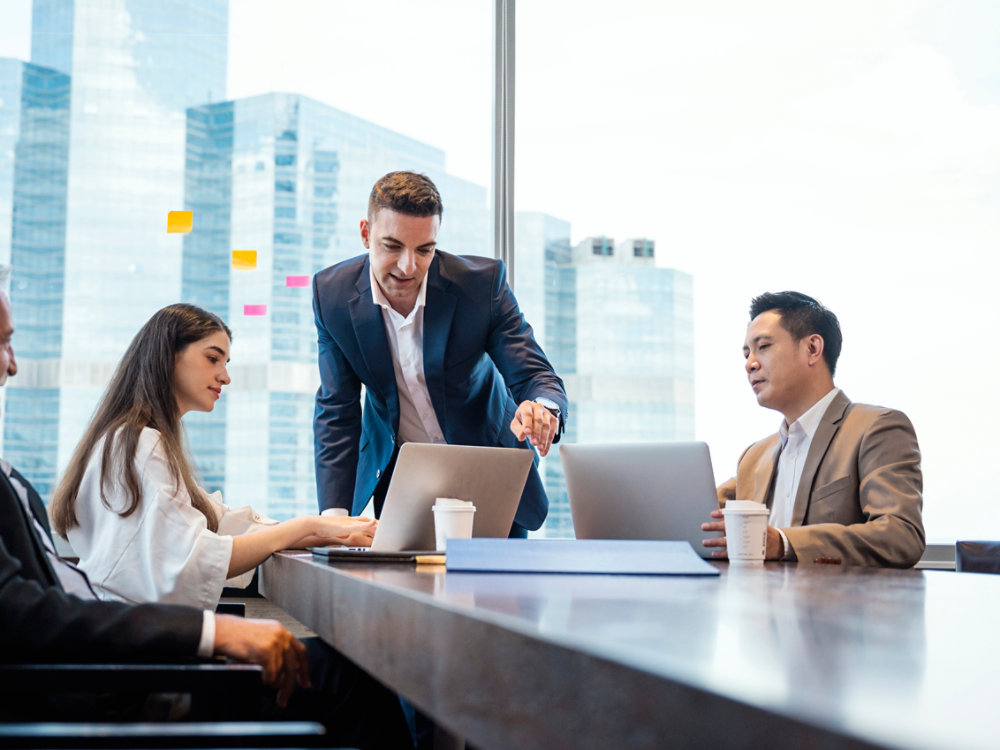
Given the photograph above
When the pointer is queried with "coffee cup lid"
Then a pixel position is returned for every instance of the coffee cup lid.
(744, 506)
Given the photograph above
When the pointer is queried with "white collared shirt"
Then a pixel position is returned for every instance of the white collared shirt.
(795, 439)
(417, 421)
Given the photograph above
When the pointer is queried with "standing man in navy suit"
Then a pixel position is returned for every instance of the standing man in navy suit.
(441, 347)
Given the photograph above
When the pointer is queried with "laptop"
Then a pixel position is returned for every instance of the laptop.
(492, 478)
(640, 491)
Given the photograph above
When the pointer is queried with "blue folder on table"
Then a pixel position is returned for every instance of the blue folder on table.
(609, 556)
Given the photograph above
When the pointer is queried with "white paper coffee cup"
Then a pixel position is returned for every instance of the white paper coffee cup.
(452, 520)
(746, 531)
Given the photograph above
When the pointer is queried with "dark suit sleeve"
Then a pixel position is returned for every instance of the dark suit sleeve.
(41, 622)
(512, 347)
(337, 421)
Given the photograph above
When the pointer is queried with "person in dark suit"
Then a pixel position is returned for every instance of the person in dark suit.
(41, 622)
(441, 347)
(49, 613)
(842, 480)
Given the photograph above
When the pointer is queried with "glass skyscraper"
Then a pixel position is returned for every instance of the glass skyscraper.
(91, 192)
(546, 294)
(34, 141)
(625, 350)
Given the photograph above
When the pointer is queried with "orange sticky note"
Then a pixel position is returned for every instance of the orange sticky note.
(255, 309)
(179, 222)
(296, 281)
(244, 258)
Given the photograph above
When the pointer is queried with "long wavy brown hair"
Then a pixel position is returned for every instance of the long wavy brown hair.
(141, 394)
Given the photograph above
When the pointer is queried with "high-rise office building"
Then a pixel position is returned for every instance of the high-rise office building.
(287, 177)
(542, 252)
(634, 372)
(630, 369)
(34, 142)
(91, 254)
(546, 294)
(11, 83)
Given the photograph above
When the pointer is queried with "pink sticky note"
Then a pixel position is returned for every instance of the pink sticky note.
(296, 281)
(255, 309)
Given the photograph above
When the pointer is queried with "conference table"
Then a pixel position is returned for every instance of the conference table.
(781, 655)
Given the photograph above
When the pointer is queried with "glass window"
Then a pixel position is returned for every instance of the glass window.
(270, 122)
(850, 151)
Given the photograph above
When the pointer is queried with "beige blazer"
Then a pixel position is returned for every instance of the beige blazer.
(860, 495)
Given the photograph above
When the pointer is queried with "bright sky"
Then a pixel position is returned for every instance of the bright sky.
(849, 150)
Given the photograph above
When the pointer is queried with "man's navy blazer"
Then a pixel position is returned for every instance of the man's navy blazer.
(480, 361)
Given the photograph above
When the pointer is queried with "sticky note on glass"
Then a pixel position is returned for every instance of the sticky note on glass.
(179, 222)
(244, 258)
(255, 309)
(296, 281)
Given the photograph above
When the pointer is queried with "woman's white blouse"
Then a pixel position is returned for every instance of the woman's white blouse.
(163, 551)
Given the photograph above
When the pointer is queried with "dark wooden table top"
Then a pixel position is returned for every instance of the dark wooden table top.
(781, 655)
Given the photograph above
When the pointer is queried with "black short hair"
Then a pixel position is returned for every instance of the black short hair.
(803, 316)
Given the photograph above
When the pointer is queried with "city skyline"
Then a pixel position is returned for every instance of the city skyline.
(280, 173)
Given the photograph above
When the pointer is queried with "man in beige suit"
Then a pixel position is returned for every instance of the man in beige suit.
(842, 480)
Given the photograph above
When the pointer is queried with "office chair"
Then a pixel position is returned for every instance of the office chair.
(233, 691)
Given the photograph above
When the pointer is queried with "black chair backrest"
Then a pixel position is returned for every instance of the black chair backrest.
(52, 692)
(977, 557)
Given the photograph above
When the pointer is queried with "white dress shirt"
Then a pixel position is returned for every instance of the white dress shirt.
(163, 551)
(417, 421)
(795, 441)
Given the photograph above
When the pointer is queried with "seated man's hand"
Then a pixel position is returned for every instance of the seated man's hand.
(538, 425)
(269, 644)
(716, 541)
(774, 548)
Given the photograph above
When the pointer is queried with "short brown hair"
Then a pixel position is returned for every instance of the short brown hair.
(405, 193)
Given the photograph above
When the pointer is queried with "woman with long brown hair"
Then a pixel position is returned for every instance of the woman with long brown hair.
(129, 502)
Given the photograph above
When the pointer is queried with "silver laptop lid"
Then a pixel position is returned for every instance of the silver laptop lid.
(640, 491)
(492, 478)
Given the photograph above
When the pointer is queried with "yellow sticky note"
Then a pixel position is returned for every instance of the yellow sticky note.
(179, 222)
(244, 258)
